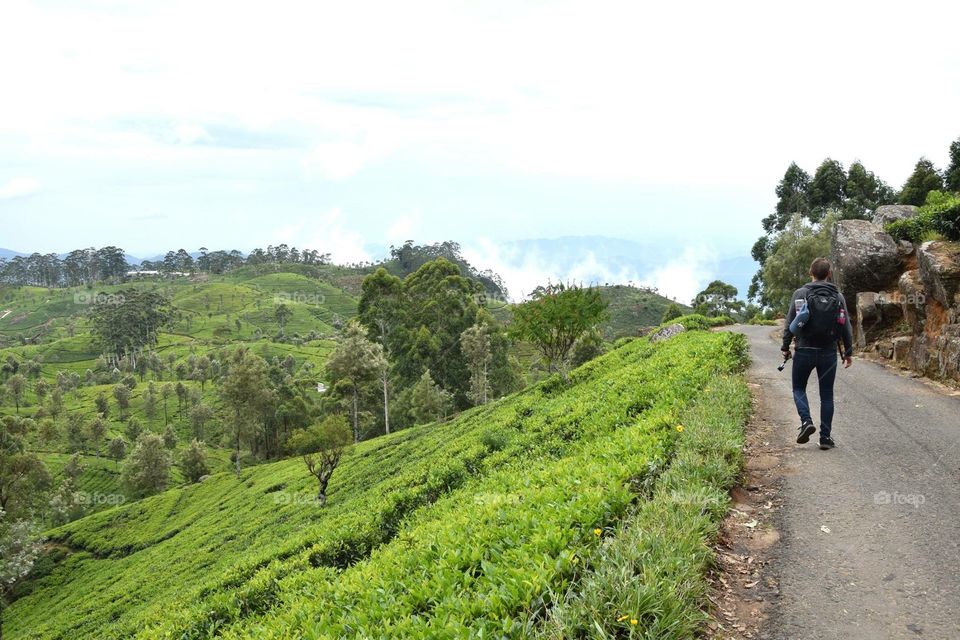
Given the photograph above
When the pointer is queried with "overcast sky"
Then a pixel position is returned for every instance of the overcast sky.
(345, 125)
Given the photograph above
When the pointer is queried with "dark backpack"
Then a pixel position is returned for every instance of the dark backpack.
(824, 304)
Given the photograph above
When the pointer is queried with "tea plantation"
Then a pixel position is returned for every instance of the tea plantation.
(578, 509)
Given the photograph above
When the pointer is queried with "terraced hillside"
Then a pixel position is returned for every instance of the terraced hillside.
(556, 512)
(50, 328)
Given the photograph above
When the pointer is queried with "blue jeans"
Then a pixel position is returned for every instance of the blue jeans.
(805, 360)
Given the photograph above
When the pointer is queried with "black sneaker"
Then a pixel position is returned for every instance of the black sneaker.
(806, 430)
(827, 443)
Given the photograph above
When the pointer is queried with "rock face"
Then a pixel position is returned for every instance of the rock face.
(901, 349)
(892, 212)
(667, 332)
(939, 264)
(864, 258)
(877, 315)
(906, 301)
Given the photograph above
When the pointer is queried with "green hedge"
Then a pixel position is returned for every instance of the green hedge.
(939, 215)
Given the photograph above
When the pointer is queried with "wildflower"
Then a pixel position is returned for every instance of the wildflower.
(633, 621)
(679, 428)
(597, 531)
(622, 618)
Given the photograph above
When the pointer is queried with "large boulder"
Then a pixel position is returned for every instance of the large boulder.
(939, 264)
(864, 258)
(901, 349)
(668, 332)
(877, 315)
(892, 212)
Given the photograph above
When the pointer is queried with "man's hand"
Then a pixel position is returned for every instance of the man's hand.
(785, 353)
(847, 362)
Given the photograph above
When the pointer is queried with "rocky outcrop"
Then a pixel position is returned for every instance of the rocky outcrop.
(667, 332)
(877, 315)
(905, 301)
(939, 264)
(864, 258)
(892, 212)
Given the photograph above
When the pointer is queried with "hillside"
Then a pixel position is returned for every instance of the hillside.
(632, 308)
(517, 519)
(51, 330)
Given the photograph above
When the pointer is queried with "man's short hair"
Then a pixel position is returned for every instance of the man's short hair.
(820, 268)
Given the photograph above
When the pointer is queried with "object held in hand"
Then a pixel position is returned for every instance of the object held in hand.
(786, 357)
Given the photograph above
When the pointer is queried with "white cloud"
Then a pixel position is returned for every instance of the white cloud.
(19, 187)
(524, 269)
(326, 234)
(190, 134)
(403, 228)
(685, 276)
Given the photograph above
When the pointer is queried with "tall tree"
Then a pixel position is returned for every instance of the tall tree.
(864, 192)
(23, 477)
(282, 314)
(787, 266)
(952, 174)
(826, 189)
(354, 363)
(17, 386)
(147, 469)
(429, 401)
(793, 196)
(247, 391)
(20, 546)
(924, 179)
(129, 321)
(475, 342)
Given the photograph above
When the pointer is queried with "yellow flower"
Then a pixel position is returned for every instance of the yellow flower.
(597, 531)
(679, 428)
(622, 618)
(633, 621)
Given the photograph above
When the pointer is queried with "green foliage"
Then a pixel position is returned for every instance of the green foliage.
(322, 446)
(354, 363)
(129, 320)
(816, 204)
(645, 577)
(952, 174)
(556, 317)
(827, 188)
(630, 309)
(924, 179)
(587, 347)
(421, 319)
(23, 477)
(864, 192)
(247, 391)
(429, 402)
(792, 198)
(939, 215)
(147, 469)
(788, 265)
(717, 299)
(430, 532)
(672, 312)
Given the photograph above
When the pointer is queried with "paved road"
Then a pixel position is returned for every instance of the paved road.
(889, 495)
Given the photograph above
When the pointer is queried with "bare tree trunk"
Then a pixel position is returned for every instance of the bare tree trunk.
(386, 405)
(237, 427)
(356, 421)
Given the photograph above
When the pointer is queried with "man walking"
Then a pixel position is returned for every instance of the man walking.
(823, 322)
